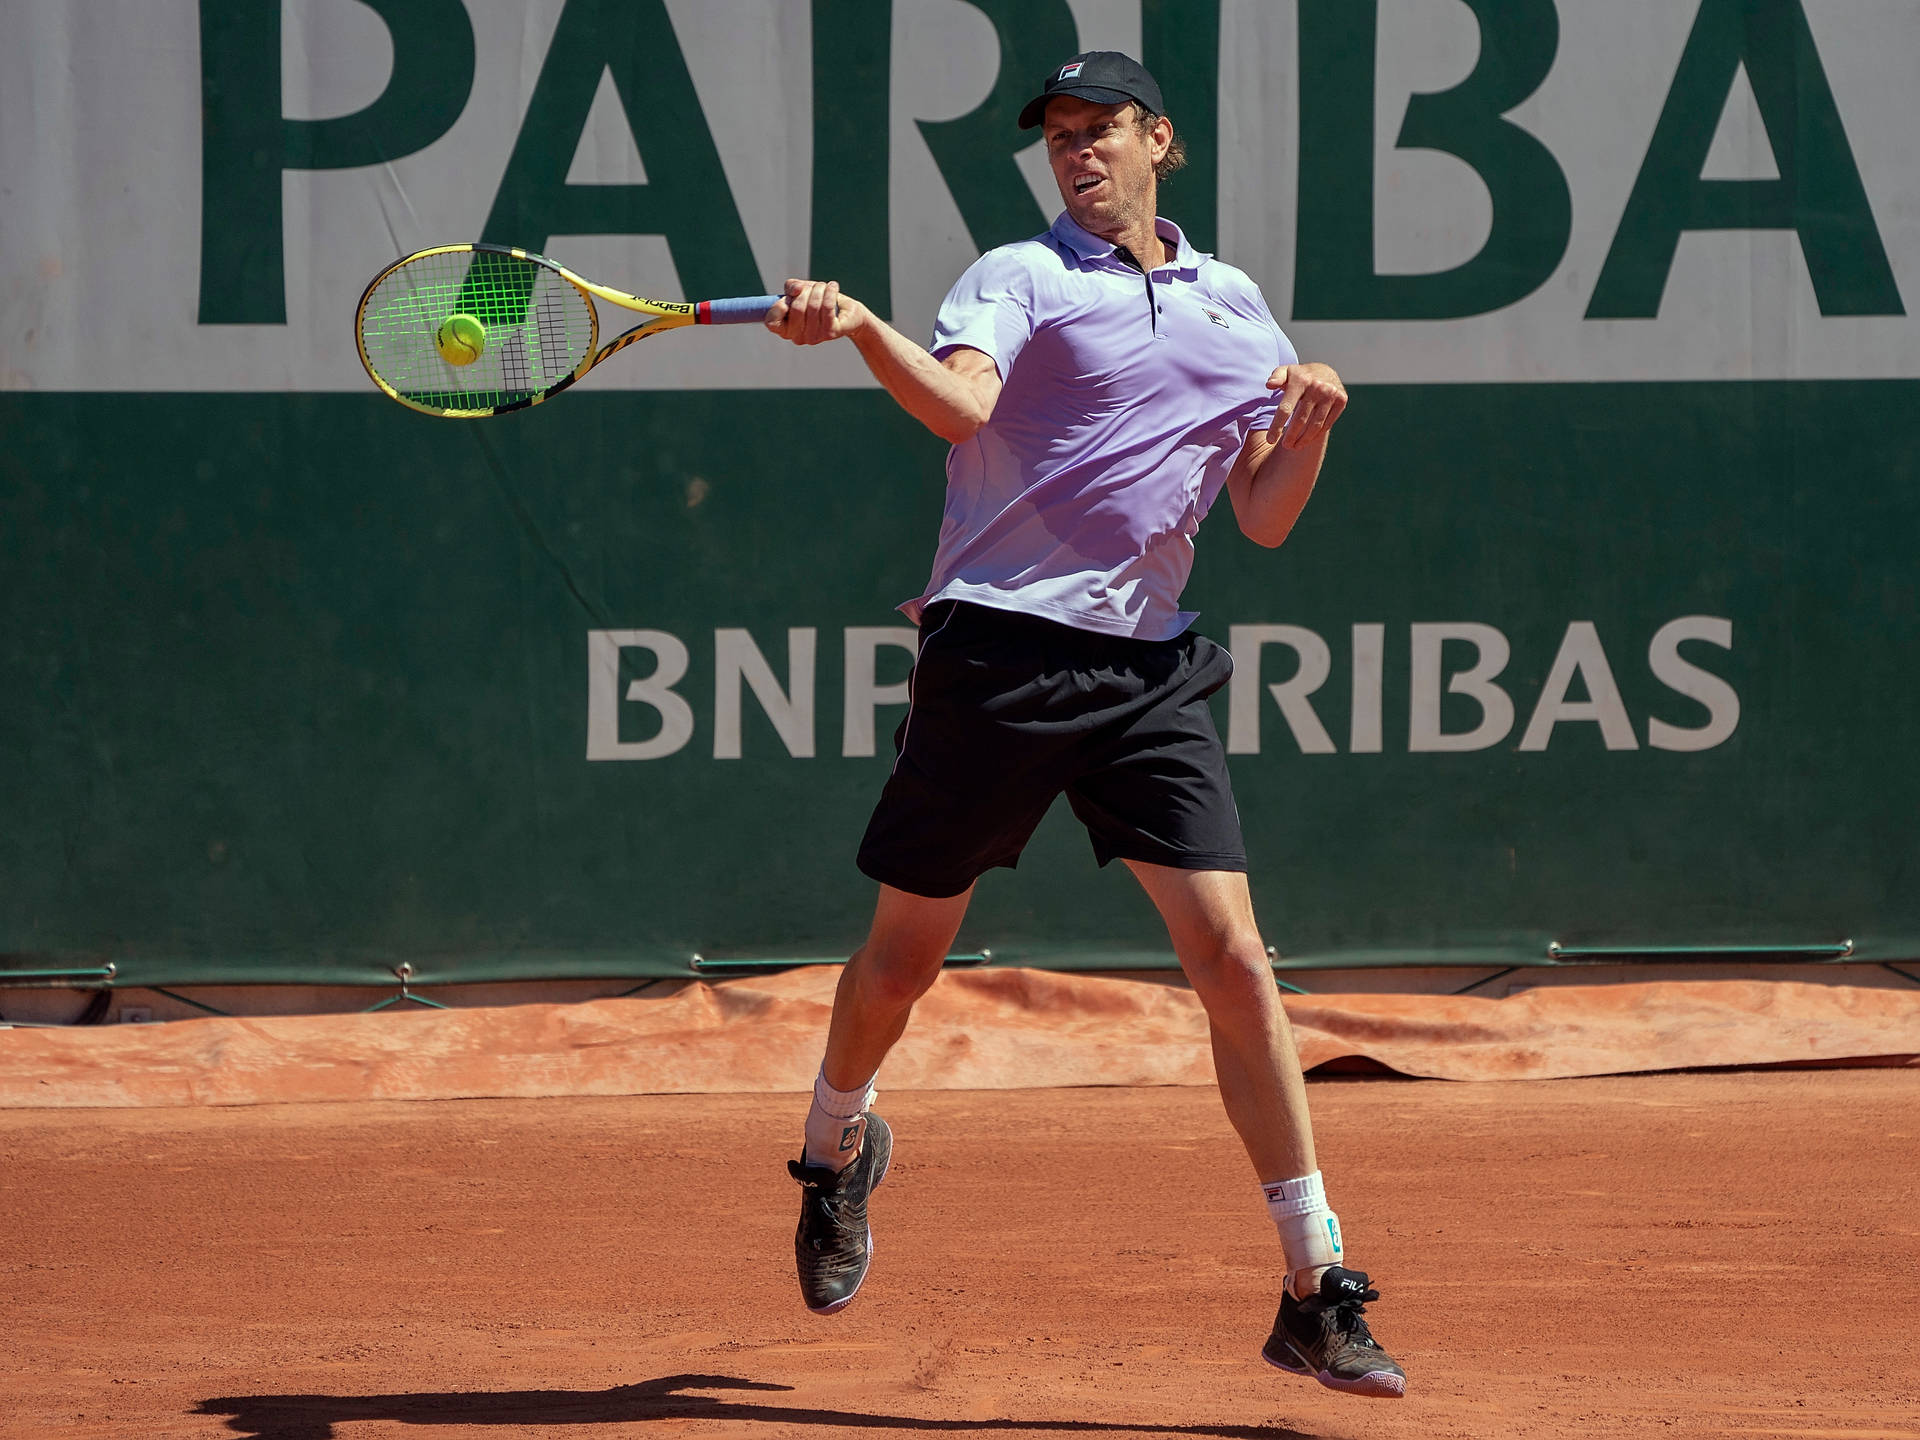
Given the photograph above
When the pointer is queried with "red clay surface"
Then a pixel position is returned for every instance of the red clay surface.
(1679, 1254)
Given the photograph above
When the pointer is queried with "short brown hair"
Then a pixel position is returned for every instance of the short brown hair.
(1176, 156)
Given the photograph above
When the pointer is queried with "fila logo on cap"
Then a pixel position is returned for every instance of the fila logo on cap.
(1067, 72)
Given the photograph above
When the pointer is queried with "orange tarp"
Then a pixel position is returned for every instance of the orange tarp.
(988, 1029)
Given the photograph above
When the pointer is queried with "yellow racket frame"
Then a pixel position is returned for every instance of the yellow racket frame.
(662, 316)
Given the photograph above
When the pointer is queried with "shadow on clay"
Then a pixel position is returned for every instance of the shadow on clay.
(313, 1417)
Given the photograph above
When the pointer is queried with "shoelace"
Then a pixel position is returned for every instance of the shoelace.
(1348, 1315)
(822, 1197)
(1349, 1318)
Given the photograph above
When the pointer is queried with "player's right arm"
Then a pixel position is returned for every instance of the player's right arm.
(952, 397)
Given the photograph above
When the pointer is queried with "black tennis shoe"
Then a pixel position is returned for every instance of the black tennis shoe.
(1326, 1336)
(834, 1244)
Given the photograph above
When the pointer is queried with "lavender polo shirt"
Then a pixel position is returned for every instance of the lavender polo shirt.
(1125, 400)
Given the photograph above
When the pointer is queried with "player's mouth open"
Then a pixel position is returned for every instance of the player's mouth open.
(1085, 183)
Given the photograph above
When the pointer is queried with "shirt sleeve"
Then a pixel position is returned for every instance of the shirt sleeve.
(989, 309)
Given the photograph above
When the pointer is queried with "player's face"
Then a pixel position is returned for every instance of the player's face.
(1103, 162)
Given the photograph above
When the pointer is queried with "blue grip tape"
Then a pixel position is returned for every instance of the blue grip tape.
(745, 310)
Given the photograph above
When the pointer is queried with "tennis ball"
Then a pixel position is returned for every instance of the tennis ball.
(461, 340)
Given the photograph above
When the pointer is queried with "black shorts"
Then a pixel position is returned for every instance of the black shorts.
(1009, 710)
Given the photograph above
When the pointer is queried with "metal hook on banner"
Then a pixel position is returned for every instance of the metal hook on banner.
(404, 970)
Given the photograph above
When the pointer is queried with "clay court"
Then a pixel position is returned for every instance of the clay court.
(1725, 1253)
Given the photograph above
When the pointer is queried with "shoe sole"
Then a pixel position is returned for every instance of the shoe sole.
(1380, 1385)
(886, 1163)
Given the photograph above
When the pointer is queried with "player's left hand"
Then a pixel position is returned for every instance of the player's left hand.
(1311, 399)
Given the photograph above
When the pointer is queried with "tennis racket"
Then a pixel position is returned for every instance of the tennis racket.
(467, 331)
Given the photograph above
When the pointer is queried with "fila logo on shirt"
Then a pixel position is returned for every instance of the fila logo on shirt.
(1216, 317)
(1067, 72)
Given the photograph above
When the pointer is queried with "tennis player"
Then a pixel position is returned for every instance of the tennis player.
(1100, 385)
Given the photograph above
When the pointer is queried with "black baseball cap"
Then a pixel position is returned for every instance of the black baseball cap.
(1105, 77)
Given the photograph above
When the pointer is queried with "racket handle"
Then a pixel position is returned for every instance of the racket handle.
(745, 310)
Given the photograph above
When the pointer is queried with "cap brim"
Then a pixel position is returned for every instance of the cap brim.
(1036, 110)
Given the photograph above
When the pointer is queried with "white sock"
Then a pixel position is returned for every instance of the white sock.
(1309, 1231)
(836, 1123)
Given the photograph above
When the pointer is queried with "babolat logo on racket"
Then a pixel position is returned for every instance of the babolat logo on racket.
(1067, 72)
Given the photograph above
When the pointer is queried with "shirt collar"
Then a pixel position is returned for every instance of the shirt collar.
(1089, 246)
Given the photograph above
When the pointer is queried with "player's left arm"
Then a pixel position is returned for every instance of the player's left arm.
(1274, 474)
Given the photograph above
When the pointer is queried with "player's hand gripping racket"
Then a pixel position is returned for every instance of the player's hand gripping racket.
(472, 330)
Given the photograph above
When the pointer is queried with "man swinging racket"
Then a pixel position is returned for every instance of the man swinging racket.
(1099, 384)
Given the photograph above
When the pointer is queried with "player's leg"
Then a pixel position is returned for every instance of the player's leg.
(972, 776)
(1209, 916)
(968, 785)
(908, 941)
(1156, 793)
(847, 1148)
(1320, 1330)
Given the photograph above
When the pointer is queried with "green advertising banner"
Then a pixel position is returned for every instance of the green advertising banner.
(1602, 629)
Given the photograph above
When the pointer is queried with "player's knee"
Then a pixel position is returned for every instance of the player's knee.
(1231, 967)
(896, 978)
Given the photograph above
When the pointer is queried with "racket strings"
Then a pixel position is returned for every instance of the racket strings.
(539, 329)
